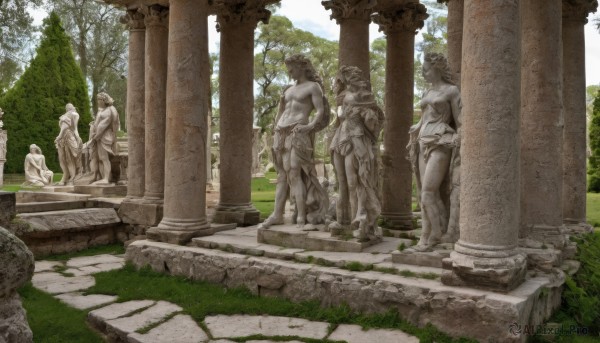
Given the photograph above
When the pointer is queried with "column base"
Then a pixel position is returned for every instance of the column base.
(493, 269)
(398, 221)
(153, 199)
(242, 215)
(179, 232)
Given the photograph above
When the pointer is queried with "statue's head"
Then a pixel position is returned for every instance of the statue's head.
(350, 77)
(69, 107)
(34, 149)
(298, 65)
(436, 65)
(104, 99)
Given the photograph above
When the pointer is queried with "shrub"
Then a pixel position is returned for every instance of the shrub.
(594, 167)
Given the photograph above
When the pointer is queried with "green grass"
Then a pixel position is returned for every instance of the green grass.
(54, 322)
(263, 194)
(12, 182)
(113, 249)
(593, 209)
(201, 299)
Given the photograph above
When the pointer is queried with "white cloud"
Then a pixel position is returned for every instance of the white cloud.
(592, 51)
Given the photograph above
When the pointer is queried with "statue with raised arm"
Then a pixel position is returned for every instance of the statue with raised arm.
(355, 154)
(293, 146)
(69, 145)
(37, 173)
(103, 139)
(434, 150)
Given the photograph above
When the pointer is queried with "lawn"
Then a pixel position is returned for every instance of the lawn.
(593, 209)
(263, 194)
(13, 182)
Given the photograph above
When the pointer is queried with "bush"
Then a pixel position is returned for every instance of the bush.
(32, 107)
(594, 167)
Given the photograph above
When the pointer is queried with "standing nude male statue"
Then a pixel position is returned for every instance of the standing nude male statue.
(293, 146)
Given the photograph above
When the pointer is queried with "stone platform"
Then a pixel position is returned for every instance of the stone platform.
(102, 191)
(292, 237)
(431, 258)
(336, 279)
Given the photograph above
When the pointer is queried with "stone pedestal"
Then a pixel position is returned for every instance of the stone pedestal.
(354, 18)
(486, 256)
(574, 140)
(2, 172)
(102, 190)
(185, 180)
(541, 114)
(136, 120)
(399, 22)
(156, 20)
(236, 83)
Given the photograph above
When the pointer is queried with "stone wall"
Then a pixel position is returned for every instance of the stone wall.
(483, 315)
(7, 208)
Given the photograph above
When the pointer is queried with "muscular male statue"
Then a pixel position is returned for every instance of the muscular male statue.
(293, 146)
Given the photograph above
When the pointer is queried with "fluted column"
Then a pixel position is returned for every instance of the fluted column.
(400, 22)
(237, 22)
(185, 171)
(575, 14)
(156, 19)
(354, 17)
(135, 105)
(541, 114)
(455, 36)
(485, 255)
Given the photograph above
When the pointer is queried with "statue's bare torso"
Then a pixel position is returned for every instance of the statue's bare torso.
(299, 103)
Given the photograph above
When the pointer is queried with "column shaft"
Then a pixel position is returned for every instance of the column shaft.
(236, 82)
(485, 256)
(399, 94)
(574, 145)
(185, 176)
(354, 44)
(541, 114)
(135, 106)
(455, 37)
(156, 81)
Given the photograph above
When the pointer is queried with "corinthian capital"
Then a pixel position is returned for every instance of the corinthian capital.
(155, 15)
(578, 10)
(238, 12)
(403, 17)
(134, 19)
(350, 9)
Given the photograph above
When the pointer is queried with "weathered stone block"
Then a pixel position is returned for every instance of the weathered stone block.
(7, 208)
(139, 213)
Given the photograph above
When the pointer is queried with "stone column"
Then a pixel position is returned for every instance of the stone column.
(155, 94)
(575, 14)
(485, 255)
(455, 36)
(237, 22)
(354, 17)
(541, 114)
(185, 172)
(135, 105)
(400, 22)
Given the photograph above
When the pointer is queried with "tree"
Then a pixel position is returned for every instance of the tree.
(594, 165)
(32, 107)
(378, 58)
(16, 31)
(435, 39)
(100, 43)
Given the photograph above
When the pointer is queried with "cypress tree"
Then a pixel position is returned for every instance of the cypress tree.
(594, 167)
(32, 107)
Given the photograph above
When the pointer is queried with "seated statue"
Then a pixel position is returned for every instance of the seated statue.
(293, 146)
(69, 146)
(355, 153)
(102, 143)
(434, 150)
(36, 172)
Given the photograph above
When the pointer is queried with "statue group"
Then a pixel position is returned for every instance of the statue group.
(81, 163)
(434, 151)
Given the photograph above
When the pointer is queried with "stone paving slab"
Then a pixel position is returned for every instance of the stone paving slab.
(118, 310)
(46, 266)
(242, 326)
(356, 334)
(88, 270)
(179, 329)
(55, 283)
(84, 302)
(78, 262)
(152, 315)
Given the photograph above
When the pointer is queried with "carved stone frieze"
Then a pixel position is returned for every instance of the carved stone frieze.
(404, 17)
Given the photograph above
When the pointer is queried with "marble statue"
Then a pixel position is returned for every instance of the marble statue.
(293, 146)
(434, 150)
(69, 146)
(1, 123)
(102, 143)
(355, 153)
(36, 172)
